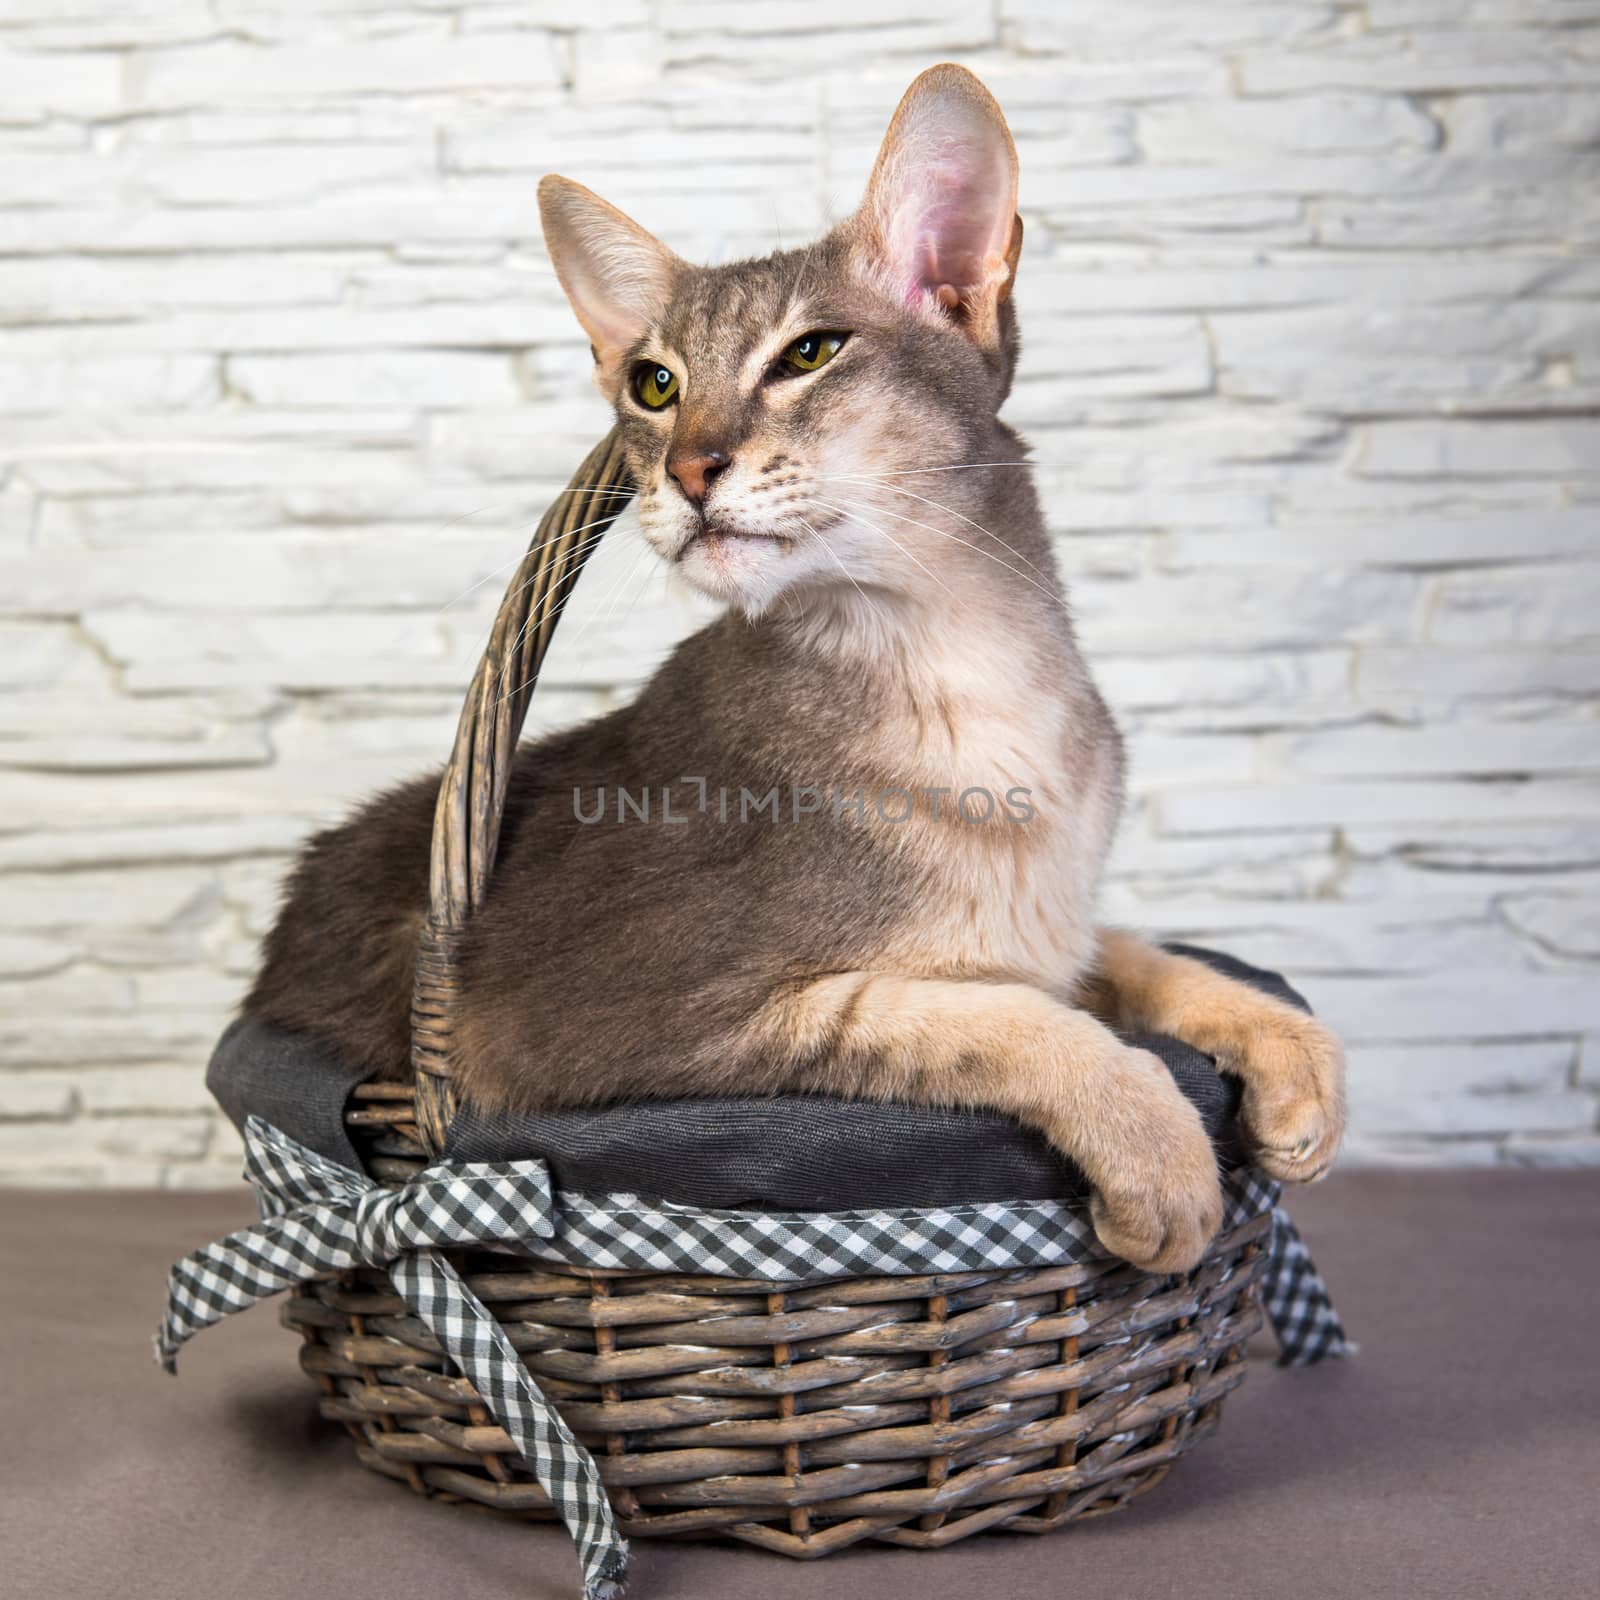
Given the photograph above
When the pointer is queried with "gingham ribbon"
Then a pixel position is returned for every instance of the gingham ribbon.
(636, 1233)
(319, 1216)
(1297, 1300)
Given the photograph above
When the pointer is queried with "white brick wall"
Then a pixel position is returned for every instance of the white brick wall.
(1312, 305)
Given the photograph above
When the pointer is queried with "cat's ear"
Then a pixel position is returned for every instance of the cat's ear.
(940, 214)
(616, 276)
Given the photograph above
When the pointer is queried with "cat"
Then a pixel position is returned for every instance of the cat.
(815, 440)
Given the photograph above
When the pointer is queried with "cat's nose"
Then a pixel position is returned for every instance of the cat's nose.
(694, 473)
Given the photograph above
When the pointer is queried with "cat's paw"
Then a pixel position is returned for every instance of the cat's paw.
(1157, 1198)
(1293, 1109)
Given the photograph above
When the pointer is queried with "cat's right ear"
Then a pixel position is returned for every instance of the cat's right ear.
(616, 276)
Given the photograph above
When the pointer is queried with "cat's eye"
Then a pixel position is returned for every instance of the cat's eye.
(655, 385)
(813, 350)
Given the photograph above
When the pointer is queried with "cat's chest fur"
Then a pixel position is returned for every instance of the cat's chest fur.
(1014, 770)
(1013, 896)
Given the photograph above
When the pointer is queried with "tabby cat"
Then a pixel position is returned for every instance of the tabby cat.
(848, 839)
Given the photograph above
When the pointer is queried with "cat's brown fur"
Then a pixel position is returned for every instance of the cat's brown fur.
(891, 628)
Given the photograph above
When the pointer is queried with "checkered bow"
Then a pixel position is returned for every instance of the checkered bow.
(320, 1216)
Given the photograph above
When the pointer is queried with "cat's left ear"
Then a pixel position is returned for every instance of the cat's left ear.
(940, 214)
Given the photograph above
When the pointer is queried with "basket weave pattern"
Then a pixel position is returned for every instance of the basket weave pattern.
(801, 1418)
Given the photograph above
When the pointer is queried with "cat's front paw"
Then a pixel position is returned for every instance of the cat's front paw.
(1293, 1110)
(1157, 1197)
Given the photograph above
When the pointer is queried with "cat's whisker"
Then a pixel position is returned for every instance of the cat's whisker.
(836, 561)
(967, 544)
(610, 595)
(577, 550)
(603, 523)
(582, 548)
(582, 545)
(939, 505)
(640, 559)
(855, 516)
(954, 466)
(593, 486)
(543, 544)
(466, 516)
(536, 616)
(474, 587)
(649, 571)
(617, 590)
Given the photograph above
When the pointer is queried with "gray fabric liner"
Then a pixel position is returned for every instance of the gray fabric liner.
(793, 1153)
(287, 1079)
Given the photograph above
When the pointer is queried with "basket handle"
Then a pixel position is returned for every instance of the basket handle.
(472, 793)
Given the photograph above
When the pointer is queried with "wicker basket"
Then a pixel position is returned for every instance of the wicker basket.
(799, 1418)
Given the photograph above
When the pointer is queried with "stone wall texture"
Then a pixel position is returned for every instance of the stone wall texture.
(1311, 299)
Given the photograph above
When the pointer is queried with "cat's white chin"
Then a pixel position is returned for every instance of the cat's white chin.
(745, 570)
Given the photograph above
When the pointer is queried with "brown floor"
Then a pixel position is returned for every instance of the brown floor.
(1458, 1456)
